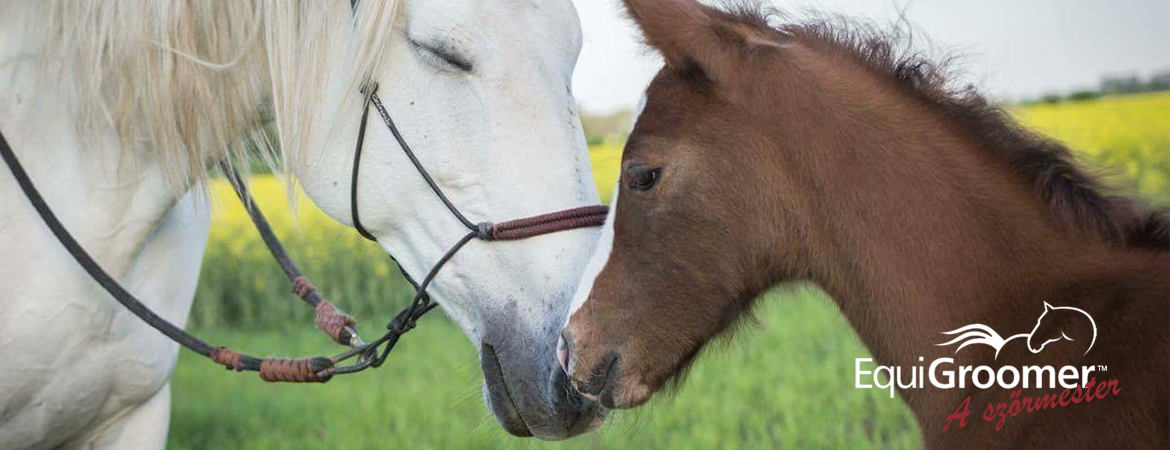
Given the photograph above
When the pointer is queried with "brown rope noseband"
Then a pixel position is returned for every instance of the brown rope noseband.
(339, 326)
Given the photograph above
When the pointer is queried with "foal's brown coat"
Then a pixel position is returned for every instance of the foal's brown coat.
(818, 152)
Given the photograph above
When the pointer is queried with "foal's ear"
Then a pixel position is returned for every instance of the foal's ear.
(689, 33)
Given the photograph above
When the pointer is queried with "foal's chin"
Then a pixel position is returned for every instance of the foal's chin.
(625, 395)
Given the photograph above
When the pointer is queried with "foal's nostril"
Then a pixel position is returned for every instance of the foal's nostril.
(563, 350)
(592, 387)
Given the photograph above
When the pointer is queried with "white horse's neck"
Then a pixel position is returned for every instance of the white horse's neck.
(110, 199)
(141, 229)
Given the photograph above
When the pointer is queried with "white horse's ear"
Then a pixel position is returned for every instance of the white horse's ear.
(1047, 307)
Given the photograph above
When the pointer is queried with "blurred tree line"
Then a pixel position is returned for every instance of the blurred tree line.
(1132, 84)
(606, 128)
(1114, 85)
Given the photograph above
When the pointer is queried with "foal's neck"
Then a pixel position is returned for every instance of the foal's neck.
(930, 235)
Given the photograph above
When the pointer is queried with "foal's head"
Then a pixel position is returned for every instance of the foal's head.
(760, 155)
(686, 200)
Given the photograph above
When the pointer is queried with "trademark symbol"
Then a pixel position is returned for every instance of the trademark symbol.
(1102, 368)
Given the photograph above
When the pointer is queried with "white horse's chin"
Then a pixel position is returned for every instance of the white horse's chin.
(517, 308)
(529, 395)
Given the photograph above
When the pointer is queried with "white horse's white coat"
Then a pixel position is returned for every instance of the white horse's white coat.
(502, 140)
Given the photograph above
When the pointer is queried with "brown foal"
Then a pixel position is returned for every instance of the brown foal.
(819, 151)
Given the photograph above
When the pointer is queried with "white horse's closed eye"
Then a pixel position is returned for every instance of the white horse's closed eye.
(125, 106)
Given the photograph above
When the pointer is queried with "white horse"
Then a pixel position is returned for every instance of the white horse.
(117, 108)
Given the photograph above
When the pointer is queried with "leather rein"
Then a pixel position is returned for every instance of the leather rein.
(340, 327)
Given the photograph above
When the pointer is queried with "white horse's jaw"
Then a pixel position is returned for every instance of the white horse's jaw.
(503, 142)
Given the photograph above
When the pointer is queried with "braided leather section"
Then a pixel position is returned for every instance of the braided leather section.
(302, 287)
(333, 322)
(227, 357)
(586, 216)
(305, 370)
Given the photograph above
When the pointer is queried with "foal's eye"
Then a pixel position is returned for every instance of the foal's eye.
(642, 178)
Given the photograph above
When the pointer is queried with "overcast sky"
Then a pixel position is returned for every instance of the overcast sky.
(1013, 48)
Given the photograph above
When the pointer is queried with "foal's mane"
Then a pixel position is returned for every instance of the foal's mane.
(190, 81)
(1075, 197)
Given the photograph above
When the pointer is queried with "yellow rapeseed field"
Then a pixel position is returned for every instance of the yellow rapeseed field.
(1127, 137)
(241, 284)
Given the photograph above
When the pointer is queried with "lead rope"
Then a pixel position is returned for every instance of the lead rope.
(339, 326)
(317, 369)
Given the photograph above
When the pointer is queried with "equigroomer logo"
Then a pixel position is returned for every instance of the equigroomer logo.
(1054, 324)
(983, 334)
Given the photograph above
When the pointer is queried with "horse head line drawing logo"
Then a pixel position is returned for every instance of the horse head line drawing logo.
(983, 334)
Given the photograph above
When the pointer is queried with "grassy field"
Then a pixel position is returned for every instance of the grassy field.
(785, 383)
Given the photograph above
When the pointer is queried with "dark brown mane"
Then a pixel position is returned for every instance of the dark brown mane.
(1076, 197)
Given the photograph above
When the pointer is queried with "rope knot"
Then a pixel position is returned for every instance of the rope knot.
(401, 326)
(485, 231)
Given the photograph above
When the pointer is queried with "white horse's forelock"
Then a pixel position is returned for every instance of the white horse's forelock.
(191, 81)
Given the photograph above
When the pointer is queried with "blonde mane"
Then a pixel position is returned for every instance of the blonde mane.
(186, 82)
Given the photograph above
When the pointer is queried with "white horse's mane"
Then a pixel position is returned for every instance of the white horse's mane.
(191, 80)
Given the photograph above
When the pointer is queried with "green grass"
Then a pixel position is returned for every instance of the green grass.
(784, 383)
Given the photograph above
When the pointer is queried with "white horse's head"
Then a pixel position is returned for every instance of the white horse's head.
(480, 90)
(482, 94)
